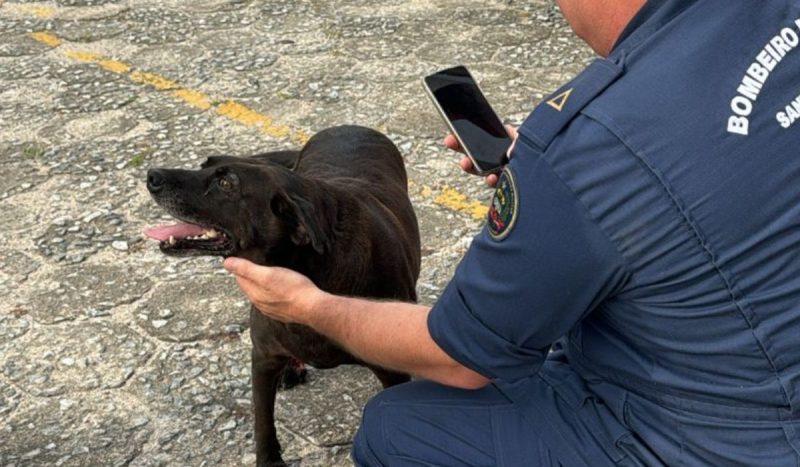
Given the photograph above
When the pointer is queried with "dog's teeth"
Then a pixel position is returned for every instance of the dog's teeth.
(211, 234)
(171, 240)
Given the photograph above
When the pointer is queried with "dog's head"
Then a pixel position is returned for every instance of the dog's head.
(233, 205)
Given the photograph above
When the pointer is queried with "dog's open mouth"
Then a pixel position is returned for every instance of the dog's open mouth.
(191, 239)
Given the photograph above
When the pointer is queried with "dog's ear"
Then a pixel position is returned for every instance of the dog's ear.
(307, 226)
(211, 161)
(219, 160)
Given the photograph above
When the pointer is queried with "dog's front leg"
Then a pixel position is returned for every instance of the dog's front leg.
(267, 371)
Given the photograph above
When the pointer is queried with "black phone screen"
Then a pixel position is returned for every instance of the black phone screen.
(472, 118)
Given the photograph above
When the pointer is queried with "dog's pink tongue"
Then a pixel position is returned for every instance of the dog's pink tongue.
(163, 232)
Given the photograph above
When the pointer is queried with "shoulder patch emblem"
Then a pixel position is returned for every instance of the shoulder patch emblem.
(560, 100)
(503, 211)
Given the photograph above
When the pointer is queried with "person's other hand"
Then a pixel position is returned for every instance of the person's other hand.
(281, 294)
(451, 142)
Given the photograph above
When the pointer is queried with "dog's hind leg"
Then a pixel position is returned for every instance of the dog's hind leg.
(267, 371)
(389, 378)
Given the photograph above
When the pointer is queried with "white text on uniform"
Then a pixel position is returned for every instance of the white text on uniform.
(757, 74)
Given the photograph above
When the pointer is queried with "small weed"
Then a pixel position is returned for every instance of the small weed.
(33, 151)
(138, 159)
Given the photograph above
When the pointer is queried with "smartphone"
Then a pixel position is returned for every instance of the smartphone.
(472, 120)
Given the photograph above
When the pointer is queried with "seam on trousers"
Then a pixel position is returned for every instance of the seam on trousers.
(790, 432)
(367, 452)
(498, 453)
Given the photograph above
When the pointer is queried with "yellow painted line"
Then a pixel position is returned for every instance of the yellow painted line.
(110, 65)
(158, 82)
(114, 66)
(196, 99)
(457, 201)
(300, 136)
(243, 114)
(452, 199)
(42, 11)
(448, 197)
(280, 131)
(248, 117)
(38, 11)
(229, 109)
(82, 56)
(46, 38)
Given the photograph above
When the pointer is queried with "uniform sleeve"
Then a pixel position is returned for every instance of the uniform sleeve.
(510, 299)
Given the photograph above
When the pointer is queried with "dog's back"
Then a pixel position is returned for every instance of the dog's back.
(367, 165)
(353, 152)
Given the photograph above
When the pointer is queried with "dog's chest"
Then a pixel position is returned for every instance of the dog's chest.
(271, 337)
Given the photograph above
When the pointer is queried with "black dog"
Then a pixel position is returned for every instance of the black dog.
(337, 211)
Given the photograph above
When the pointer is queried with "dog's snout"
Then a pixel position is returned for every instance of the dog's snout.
(155, 180)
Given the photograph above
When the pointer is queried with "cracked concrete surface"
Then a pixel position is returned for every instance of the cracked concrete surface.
(112, 354)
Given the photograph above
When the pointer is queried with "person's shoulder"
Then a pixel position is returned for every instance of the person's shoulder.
(560, 110)
(699, 85)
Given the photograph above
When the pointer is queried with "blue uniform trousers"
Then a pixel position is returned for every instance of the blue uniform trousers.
(424, 424)
(563, 420)
(558, 420)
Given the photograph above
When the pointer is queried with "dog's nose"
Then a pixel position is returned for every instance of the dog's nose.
(155, 180)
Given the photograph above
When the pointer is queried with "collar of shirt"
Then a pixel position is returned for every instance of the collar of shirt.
(653, 15)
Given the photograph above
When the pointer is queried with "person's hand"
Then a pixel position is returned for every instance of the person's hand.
(280, 294)
(451, 142)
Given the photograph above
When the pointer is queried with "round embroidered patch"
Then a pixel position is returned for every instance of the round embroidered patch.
(503, 211)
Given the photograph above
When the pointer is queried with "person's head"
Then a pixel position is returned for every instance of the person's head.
(599, 22)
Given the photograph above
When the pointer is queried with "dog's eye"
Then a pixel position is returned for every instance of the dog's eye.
(225, 184)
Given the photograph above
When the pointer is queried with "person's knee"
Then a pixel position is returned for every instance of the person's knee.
(369, 447)
(403, 420)
(369, 444)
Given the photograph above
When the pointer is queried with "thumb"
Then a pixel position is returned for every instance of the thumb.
(243, 268)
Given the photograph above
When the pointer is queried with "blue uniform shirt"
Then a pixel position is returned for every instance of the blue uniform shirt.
(648, 224)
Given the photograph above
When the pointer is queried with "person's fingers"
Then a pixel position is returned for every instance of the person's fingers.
(246, 269)
(451, 142)
(236, 266)
(256, 294)
(512, 131)
(467, 165)
(510, 149)
(246, 284)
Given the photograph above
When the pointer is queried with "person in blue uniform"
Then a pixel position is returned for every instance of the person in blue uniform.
(634, 298)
